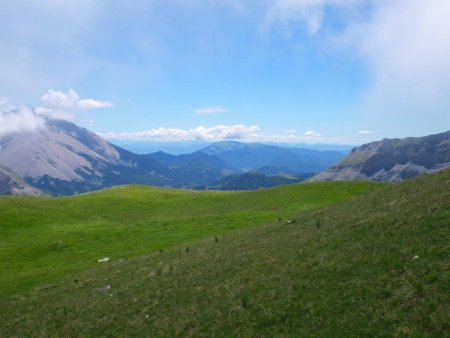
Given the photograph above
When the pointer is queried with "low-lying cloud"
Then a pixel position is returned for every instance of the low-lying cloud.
(15, 120)
(238, 132)
(219, 132)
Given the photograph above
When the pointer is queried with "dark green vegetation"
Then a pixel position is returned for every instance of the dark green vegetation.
(254, 180)
(374, 265)
(45, 238)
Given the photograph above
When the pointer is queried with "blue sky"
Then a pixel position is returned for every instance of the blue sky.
(318, 71)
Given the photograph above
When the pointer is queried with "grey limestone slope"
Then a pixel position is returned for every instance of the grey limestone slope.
(59, 150)
(392, 160)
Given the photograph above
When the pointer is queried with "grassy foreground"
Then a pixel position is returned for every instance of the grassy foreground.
(42, 239)
(375, 265)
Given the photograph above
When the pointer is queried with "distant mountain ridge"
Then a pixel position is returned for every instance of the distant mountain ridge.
(64, 159)
(270, 159)
(392, 160)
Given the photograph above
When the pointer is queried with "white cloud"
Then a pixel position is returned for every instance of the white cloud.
(71, 99)
(219, 132)
(365, 132)
(312, 134)
(55, 98)
(211, 110)
(18, 119)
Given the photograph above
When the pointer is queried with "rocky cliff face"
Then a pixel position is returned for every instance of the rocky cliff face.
(11, 184)
(392, 160)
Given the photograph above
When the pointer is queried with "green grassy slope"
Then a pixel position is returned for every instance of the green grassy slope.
(46, 238)
(375, 265)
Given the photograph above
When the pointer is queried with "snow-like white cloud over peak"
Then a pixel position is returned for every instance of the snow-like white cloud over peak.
(71, 100)
(211, 110)
(14, 120)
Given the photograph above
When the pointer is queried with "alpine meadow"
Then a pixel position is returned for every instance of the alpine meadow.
(225, 168)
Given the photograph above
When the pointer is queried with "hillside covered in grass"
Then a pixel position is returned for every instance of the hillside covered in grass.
(373, 265)
(46, 238)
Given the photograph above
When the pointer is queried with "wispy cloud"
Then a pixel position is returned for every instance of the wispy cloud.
(404, 45)
(407, 47)
(211, 110)
(71, 99)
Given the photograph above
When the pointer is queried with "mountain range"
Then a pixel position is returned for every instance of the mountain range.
(63, 159)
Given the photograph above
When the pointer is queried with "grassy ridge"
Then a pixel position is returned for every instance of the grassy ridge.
(376, 265)
(42, 239)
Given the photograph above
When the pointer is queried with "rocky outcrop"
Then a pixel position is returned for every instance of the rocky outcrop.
(11, 184)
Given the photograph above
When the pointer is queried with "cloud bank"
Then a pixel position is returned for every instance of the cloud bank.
(218, 133)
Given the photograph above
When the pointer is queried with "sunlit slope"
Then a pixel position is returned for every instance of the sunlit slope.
(374, 265)
(46, 238)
